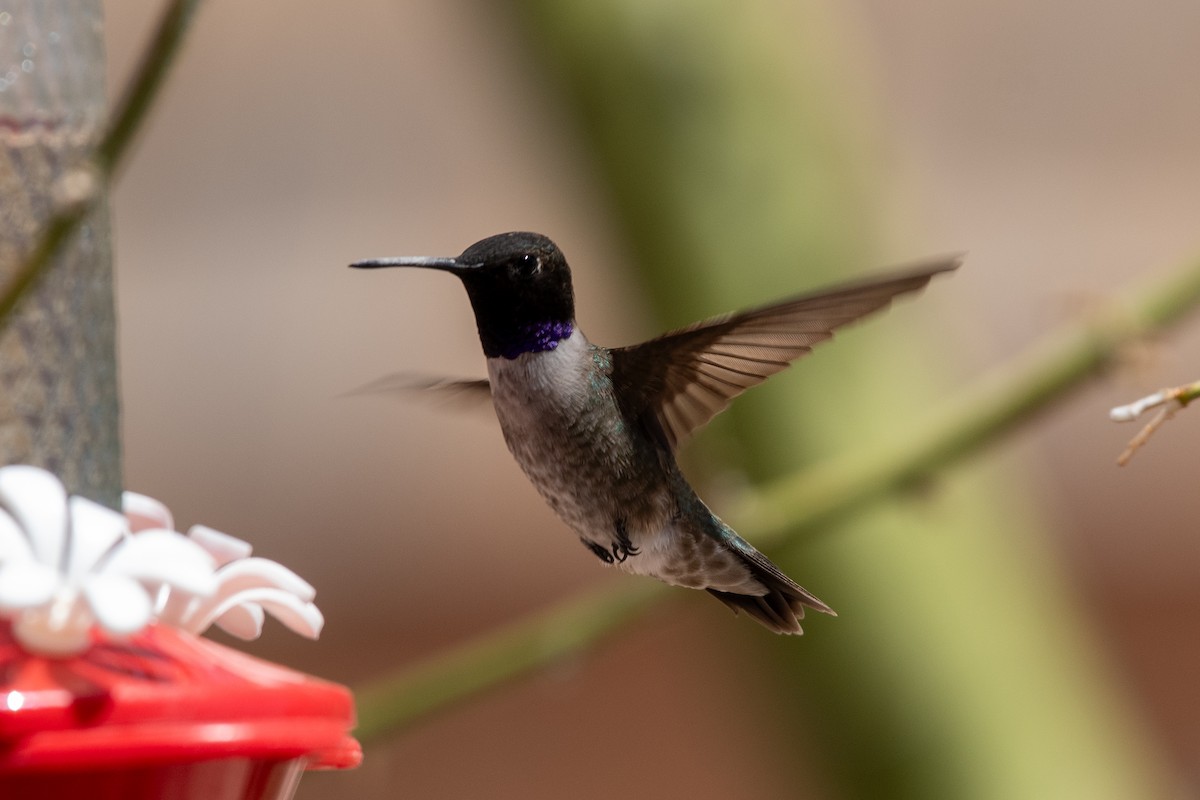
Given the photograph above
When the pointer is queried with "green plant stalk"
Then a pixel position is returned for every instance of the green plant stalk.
(55, 233)
(138, 98)
(973, 418)
(84, 190)
(497, 657)
(735, 142)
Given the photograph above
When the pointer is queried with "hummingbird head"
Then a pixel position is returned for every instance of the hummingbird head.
(520, 289)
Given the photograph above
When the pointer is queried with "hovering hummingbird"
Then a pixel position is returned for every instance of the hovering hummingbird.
(595, 429)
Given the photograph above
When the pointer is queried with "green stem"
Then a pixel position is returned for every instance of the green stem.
(984, 412)
(83, 188)
(142, 91)
(54, 234)
(1188, 393)
(499, 656)
(786, 509)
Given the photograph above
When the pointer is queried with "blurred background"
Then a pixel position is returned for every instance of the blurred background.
(1054, 142)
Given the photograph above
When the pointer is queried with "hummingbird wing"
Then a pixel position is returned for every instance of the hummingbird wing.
(466, 392)
(684, 378)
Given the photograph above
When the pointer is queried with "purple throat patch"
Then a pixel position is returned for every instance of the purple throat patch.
(537, 338)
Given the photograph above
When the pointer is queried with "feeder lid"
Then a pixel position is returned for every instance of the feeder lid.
(164, 695)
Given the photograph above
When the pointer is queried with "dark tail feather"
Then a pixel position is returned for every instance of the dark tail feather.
(782, 607)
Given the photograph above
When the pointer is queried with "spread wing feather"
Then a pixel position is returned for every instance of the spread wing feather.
(462, 392)
(681, 380)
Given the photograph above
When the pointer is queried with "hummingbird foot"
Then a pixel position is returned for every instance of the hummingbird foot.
(619, 551)
(623, 547)
(600, 551)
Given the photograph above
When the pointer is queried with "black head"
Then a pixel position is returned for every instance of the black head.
(520, 289)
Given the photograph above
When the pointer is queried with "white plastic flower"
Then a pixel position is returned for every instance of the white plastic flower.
(68, 565)
(246, 587)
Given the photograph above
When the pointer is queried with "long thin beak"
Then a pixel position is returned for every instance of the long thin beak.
(447, 264)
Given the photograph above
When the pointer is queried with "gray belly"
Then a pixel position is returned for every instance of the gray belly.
(592, 469)
(604, 477)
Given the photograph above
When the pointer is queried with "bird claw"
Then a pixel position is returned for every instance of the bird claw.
(623, 547)
(600, 551)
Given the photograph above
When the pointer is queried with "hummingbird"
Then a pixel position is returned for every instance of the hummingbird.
(596, 429)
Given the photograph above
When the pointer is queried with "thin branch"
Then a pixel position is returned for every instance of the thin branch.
(791, 506)
(1171, 401)
(78, 191)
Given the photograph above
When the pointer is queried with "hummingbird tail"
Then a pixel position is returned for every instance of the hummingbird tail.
(781, 608)
(778, 610)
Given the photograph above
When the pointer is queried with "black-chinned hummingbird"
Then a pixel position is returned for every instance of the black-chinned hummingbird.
(595, 429)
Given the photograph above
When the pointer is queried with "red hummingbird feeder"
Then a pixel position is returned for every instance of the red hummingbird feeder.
(107, 691)
(165, 715)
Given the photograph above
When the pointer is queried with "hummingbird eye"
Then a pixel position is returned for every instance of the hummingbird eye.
(527, 265)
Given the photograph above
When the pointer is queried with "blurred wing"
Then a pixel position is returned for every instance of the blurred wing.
(464, 392)
(682, 379)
